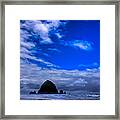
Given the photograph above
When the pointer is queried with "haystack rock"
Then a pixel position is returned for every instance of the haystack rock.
(48, 87)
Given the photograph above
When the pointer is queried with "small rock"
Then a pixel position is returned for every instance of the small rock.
(32, 92)
(61, 91)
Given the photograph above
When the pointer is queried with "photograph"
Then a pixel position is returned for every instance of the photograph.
(59, 59)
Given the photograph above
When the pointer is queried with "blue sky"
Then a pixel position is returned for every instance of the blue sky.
(69, 44)
(64, 51)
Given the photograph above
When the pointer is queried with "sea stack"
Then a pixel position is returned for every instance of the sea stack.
(48, 87)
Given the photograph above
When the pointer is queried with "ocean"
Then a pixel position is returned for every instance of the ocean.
(68, 96)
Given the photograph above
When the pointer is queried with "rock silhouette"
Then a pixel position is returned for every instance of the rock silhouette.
(32, 92)
(48, 87)
(61, 91)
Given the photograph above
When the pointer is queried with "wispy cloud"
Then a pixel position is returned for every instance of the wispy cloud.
(64, 79)
(27, 45)
(33, 32)
(82, 44)
(88, 66)
(42, 29)
(58, 35)
(53, 50)
(27, 57)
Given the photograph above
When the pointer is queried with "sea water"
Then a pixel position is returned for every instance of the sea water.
(68, 96)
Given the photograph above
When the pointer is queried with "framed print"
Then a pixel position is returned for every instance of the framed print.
(60, 59)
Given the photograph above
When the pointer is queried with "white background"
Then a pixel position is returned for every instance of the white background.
(104, 106)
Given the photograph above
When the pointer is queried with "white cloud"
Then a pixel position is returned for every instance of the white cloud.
(94, 69)
(27, 45)
(57, 74)
(53, 24)
(39, 31)
(53, 49)
(79, 82)
(59, 35)
(43, 29)
(82, 44)
(93, 65)
(24, 50)
(68, 80)
(26, 56)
